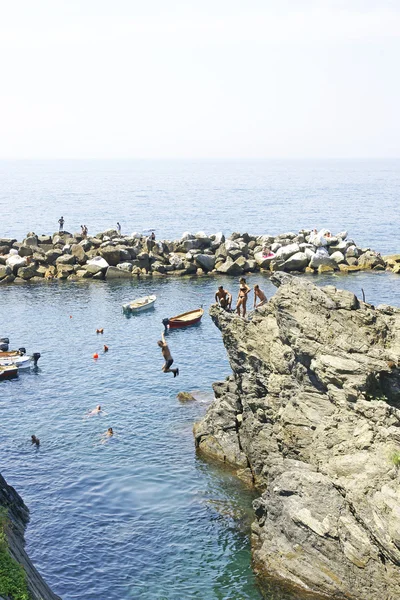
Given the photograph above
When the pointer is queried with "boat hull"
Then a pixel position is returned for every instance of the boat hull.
(8, 372)
(21, 362)
(180, 324)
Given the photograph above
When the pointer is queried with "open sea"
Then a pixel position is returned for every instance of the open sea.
(141, 516)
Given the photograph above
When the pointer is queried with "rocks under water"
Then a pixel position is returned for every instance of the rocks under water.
(311, 417)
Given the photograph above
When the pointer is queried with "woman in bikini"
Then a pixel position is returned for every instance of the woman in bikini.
(242, 296)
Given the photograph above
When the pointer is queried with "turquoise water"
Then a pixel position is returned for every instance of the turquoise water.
(139, 516)
(270, 196)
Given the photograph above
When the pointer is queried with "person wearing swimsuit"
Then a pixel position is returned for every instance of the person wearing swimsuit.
(242, 297)
(258, 293)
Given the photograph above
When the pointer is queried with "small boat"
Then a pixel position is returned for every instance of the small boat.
(185, 319)
(140, 304)
(8, 372)
(19, 359)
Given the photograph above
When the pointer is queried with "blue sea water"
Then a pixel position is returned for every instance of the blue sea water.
(361, 196)
(141, 516)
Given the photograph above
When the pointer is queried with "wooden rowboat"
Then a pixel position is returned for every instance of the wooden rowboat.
(185, 319)
(140, 304)
(8, 372)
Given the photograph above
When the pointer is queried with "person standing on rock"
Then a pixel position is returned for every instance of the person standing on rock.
(119, 228)
(242, 296)
(61, 224)
(166, 368)
(260, 295)
(223, 298)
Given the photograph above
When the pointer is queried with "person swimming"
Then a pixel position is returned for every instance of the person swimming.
(96, 411)
(35, 440)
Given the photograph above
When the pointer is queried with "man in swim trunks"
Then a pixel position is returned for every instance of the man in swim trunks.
(166, 368)
(223, 298)
(260, 295)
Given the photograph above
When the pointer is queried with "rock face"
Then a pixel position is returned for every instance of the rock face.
(311, 416)
(18, 516)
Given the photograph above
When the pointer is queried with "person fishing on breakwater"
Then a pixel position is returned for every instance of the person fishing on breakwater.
(258, 293)
(223, 298)
(166, 368)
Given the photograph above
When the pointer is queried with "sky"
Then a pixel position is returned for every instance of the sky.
(192, 79)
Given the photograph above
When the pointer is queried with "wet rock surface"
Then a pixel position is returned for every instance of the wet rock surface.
(18, 517)
(73, 255)
(311, 417)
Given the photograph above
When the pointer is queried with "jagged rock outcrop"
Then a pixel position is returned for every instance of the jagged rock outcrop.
(311, 416)
(17, 520)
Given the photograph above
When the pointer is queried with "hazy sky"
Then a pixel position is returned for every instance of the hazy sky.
(199, 79)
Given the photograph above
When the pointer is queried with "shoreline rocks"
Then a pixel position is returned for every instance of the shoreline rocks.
(311, 417)
(109, 255)
(17, 520)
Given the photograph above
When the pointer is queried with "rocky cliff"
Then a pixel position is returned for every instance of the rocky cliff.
(311, 416)
(15, 518)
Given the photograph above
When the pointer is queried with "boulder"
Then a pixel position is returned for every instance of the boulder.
(217, 240)
(286, 251)
(370, 260)
(191, 244)
(206, 262)
(115, 273)
(16, 262)
(111, 254)
(320, 259)
(125, 266)
(78, 251)
(31, 240)
(27, 272)
(52, 255)
(229, 267)
(66, 259)
(338, 257)
(45, 239)
(25, 251)
(352, 251)
(97, 261)
(5, 270)
(296, 262)
(185, 397)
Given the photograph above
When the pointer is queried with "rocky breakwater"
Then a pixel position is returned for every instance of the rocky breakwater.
(18, 576)
(311, 417)
(109, 255)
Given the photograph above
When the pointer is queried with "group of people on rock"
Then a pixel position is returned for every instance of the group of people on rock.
(224, 299)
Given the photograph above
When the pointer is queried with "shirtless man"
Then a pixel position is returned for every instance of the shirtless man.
(260, 295)
(166, 368)
(223, 298)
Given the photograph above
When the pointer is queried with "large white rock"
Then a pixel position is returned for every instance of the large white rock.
(98, 261)
(187, 236)
(286, 251)
(231, 245)
(338, 257)
(205, 261)
(16, 261)
(296, 262)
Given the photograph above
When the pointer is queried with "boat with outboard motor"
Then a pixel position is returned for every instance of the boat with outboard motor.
(8, 372)
(184, 320)
(140, 304)
(19, 358)
(4, 344)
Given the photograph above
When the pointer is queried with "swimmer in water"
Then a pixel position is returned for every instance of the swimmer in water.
(107, 435)
(35, 440)
(96, 411)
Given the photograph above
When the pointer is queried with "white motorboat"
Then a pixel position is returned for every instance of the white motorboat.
(18, 359)
(140, 304)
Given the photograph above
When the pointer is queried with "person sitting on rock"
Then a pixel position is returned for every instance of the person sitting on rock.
(35, 440)
(223, 298)
(242, 296)
(267, 252)
(258, 293)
